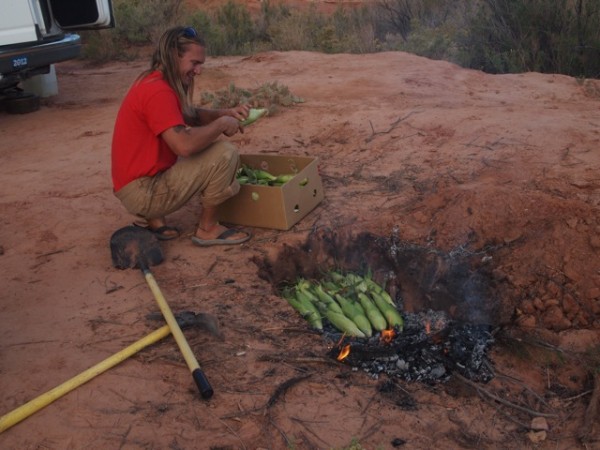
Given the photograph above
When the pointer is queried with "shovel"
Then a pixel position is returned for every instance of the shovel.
(187, 319)
(135, 247)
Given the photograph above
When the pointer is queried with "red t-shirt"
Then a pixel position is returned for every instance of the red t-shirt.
(149, 108)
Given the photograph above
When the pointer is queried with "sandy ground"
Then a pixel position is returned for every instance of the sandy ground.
(502, 167)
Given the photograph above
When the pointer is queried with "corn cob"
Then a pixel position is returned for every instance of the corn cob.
(355, 312)
(264, 175)
(324, 297)
(379, 290)
(284, 178)
(391, 314)
(307, 311)
(248, 172)
(366, 285)
(372, 312)
(330, 287)
(329, 302)
(338, 278)
(343, 323)
(253, 115)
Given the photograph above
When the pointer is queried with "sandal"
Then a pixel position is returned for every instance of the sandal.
(164, 233)
(222, 239)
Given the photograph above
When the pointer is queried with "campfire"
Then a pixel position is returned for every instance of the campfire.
(445, 301)
(429, 349)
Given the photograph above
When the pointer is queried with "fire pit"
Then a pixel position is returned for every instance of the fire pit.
(429, 349)
(446, 300)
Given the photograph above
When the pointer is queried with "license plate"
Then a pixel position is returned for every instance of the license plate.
(19, 62)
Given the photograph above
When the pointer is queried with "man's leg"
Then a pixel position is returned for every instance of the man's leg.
(209, 228)
(160, 223)
(212, 174)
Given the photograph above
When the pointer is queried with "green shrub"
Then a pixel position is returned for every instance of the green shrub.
(211, 32)
(138, 23)
(562, 36)
(496, 36)
(268, 95)
(434, 43)
(237, 31)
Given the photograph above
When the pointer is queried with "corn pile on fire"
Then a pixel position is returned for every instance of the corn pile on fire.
(355, 305)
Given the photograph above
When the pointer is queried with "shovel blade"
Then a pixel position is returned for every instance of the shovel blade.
(135, 247)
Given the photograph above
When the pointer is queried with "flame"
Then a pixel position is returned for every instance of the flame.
(427, 327)
(388, 336)
(344, 353)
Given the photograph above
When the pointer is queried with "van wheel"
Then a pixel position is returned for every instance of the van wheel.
(21, 103)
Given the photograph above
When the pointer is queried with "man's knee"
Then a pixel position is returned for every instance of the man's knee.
(228, 153)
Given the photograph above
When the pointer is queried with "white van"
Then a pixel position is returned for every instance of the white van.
(35, 34)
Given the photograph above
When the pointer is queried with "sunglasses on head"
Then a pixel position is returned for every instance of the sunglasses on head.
(189, 32)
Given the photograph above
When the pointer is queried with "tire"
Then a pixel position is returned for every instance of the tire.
(21, 103)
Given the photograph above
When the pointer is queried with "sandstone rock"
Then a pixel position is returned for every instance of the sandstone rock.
(551, 302)
(581, 320)
(593, 293)
(553, 289)
(555, 319)
(595, 242)
(527, 307)
(570, 305)
(538, 303)
(527, 321)
(537, 436)
(539, 424)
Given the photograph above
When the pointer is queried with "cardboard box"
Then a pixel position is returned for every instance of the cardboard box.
(278, 207)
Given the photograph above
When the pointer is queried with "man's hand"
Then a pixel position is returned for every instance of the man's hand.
(239, 112)
(231, 125)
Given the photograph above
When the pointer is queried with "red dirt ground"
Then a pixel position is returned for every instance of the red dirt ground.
(504, 165)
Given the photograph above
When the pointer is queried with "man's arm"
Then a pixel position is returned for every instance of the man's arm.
(206, 116)
(186, 140)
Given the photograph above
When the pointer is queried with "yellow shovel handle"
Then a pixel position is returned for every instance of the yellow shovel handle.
(198, 375)
(24, 411)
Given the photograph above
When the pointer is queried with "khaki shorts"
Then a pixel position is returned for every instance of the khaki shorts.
(209, 174)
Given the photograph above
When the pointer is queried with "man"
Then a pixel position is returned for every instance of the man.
(165, 151)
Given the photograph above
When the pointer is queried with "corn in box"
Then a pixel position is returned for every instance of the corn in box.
(277, 207)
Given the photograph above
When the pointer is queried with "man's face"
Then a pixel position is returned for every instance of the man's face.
(190, 63)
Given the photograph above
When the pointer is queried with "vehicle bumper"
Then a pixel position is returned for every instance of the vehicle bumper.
(25, 59)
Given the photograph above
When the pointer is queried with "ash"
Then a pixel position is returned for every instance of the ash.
(429, 349)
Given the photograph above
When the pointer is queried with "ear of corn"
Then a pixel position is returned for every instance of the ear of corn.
(284, 178)
(344, 324)
(253, 115)
(372, 312)
(264, 175)
(354, 311)
(327, 299)
(307, 310)
(374, 287)
(391, 314)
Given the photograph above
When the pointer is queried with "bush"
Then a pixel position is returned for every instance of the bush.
(236, 30)
(438, 43)
(496, 36)
(138, 23)
(562, 36)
